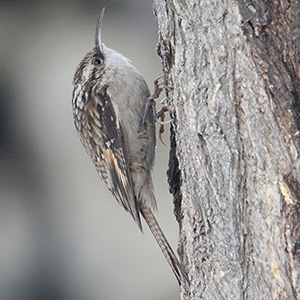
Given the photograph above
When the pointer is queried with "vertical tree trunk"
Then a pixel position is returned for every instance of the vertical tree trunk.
(233, 87)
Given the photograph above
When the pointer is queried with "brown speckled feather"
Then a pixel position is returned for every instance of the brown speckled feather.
(107, 147)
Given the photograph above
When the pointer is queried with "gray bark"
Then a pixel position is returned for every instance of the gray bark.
(233, 87)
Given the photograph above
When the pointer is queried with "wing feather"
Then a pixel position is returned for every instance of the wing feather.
(108, 141)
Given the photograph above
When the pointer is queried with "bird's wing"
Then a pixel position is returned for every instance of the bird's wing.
(109, 150)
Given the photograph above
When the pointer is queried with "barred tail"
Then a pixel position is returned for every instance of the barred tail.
(163, 243)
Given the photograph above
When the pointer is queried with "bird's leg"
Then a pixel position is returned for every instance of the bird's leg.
(159, 116)
(158, 87)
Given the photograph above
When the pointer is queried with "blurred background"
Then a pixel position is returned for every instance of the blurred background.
(62, 234)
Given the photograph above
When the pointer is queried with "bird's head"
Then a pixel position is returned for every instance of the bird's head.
(92, 65)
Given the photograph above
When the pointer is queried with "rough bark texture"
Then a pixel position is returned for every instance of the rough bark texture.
(233, 89)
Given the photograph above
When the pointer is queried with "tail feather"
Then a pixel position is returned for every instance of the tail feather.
(163, 243)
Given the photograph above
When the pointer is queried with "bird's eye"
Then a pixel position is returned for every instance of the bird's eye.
(97, 62)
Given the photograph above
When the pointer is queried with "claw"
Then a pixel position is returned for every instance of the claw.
(162, 102)
(161, 140)
(164, 122)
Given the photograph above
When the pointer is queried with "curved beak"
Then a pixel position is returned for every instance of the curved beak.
(98, 43)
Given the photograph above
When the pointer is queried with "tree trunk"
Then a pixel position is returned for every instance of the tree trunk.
(233, 86)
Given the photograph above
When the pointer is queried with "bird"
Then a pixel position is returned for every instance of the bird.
(109, 100)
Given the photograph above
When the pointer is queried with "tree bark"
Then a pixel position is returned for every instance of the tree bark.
(233, 85)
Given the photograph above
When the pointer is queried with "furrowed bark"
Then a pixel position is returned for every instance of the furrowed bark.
(233, 86)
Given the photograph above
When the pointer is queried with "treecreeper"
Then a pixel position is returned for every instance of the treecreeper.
(109, 100)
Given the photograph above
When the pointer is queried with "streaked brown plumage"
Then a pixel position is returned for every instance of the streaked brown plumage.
(109, 100)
